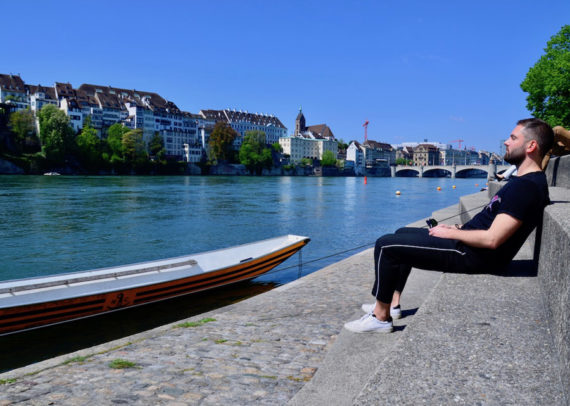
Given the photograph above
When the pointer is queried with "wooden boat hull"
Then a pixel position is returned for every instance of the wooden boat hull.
(43, 313)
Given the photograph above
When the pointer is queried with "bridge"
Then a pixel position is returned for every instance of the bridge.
(453, 170)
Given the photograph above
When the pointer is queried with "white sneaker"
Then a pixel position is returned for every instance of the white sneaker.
(369, 324)
(395, 312)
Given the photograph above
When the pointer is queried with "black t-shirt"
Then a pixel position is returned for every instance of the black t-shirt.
(524, 198)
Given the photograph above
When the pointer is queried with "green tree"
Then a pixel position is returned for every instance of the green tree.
(306, 161)
(548, 82)
(254, 153)
(89, 146)
(328, 159)
(23, 126)
(134, 151)
(56, 134)
(403, 161)
(115, 143)
(342, 145)
(156, 146)
(221, 141)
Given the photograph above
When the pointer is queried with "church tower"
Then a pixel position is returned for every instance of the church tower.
(300, 123)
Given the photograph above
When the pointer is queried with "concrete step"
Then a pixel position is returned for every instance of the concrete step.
(477, 339)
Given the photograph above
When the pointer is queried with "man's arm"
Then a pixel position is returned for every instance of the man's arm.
(502, 228)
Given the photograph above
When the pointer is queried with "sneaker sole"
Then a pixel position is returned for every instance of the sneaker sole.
(376, 330)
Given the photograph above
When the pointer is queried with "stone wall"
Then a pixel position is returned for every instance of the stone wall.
(554, 261)
(558, 172)
(7, 167)
(554, 273)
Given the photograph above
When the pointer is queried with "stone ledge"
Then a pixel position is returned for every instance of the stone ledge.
(554, 276)
(558, 172)
(477, 339)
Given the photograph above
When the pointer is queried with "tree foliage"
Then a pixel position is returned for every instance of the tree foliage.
(89, 146)
(134, 150)
(23, 126)
(306, 161)
(115, 141)
(254, 153)
(156, 146)
(56, 134)
(342, 145)
(328, 159)
(548, 82)
(221, 141)
(403, 161)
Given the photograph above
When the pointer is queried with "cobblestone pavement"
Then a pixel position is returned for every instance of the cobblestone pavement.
(259, 351)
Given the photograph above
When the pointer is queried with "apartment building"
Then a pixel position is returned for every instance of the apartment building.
(370, 154)
(13, 91)
(299, 147)
(185, 134)
(40, 96)
(243, 121)
(426, 154)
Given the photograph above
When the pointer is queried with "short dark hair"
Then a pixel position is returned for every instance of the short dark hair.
(540, 131)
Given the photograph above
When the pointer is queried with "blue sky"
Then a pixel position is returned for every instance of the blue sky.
(436, 70)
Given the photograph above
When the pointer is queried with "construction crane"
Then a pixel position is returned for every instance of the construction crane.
(365, 125)
(458, 142)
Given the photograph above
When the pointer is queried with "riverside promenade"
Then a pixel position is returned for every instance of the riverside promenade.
(463, 340)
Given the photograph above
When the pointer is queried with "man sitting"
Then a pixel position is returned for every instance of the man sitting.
(485, 244)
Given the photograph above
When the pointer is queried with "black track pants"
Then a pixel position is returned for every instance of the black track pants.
(396, 254)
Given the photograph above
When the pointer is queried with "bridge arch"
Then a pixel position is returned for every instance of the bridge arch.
(471, 172)
(436, 172)
(407, 173)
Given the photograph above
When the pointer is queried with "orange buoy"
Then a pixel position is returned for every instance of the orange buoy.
(453, 186)
(439, 188)
(365, 181)
(476, 184)
(398, 193)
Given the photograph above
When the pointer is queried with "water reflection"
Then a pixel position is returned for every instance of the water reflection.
(65, 224)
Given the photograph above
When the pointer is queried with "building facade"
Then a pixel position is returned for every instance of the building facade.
(243, 121)
(13, 91)
(425, 155)
(309, 142)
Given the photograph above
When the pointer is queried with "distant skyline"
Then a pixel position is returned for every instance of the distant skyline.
(440, 70)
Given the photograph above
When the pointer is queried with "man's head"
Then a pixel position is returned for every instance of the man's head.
(531, 137)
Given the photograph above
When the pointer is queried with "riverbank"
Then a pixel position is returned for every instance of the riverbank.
(184, 169)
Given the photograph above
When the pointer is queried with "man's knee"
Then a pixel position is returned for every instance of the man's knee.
(381, 242)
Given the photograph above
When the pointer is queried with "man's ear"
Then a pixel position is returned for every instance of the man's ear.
(532, 146)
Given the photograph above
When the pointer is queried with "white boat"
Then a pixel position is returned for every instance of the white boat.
(52, 174)
(40, 301)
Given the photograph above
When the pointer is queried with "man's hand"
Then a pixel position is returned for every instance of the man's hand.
(443, 231)
(503, 227)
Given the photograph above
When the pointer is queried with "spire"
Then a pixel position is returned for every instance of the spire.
(300, 122)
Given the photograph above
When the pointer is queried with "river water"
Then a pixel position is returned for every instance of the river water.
(57, 224)
(62, 224)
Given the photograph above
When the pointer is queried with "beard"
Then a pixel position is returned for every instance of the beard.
(515, 156)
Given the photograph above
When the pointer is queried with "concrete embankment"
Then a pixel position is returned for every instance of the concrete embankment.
(464, 339)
